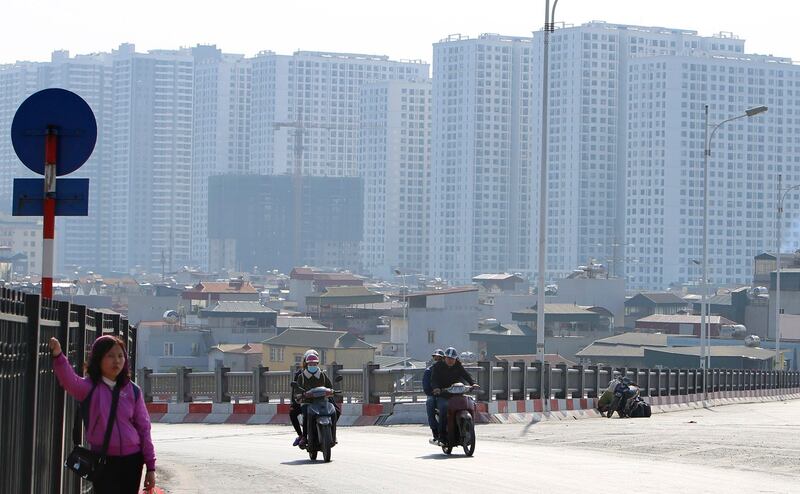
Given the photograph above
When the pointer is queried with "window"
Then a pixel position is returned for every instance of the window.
(298, 357)
(431, 336)
(195, 349)
(276, 353)
(169, 349)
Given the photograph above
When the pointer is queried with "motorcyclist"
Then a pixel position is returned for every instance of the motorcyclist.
(294, 407)
(311, 377)
(444, 374)
(430, 401)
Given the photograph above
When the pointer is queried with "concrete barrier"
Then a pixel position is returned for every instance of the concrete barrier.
(499, 412)
(251, 413)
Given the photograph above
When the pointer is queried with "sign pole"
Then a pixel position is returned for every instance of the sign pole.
(49, 206)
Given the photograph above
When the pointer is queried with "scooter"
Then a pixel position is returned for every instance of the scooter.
(321, 419)
(460, 419)
(626, 394)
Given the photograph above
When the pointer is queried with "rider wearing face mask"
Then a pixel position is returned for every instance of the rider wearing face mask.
(313, 376)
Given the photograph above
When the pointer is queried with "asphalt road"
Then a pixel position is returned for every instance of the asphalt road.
(730, 449)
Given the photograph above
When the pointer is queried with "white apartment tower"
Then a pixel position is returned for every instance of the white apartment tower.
(17, 82)
(665, 133)
(152, 158)
(319, 92)
(394, 159)
(221, 131)
(483, 180)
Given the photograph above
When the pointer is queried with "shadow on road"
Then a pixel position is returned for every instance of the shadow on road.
(440, 456)
(305, 461)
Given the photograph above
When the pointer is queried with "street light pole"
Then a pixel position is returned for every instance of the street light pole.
(549, 26)
(405, 310)
(781, 196)
(705, 334)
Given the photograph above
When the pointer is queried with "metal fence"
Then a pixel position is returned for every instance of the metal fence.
(35, 416)
(498, 381)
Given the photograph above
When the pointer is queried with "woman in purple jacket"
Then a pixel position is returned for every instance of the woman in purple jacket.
(130, 446)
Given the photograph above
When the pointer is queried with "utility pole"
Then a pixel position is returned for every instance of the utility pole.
(299, 129)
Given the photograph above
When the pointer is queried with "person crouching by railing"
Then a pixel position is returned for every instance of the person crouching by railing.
(130, 445)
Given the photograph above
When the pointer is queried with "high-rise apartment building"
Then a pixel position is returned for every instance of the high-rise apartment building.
(614, 137)
(482, 191)
(666, 135)
(17, 82)
(319, 92)
(394, 159)
(221, 131)
(152, 158)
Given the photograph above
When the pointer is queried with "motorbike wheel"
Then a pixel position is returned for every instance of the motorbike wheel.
(325, 443)
(468, 437)
(313, 442)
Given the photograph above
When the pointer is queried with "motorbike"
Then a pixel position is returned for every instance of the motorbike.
(321, 419)
(626, 396)
(460, 419)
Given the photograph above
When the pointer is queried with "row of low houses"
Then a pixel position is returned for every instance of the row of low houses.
(212, 322)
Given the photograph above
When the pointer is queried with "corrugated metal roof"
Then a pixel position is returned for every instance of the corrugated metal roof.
(721, 351)
(316, 338)
(224, 287)
(445, 291)
(495, 277)
(635, 339)
(600, 350)
(683, 319)
(243, 306)
(247, 348)
(659, 298)
(559, 309)
(303, 322)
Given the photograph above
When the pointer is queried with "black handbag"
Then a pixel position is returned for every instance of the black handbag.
(84, 462)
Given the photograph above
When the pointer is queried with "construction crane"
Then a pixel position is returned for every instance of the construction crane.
(299, 128)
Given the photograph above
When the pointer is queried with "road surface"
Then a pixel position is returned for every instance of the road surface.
(731, 449)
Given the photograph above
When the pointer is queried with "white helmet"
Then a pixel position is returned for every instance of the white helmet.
(310, 352)
(451, 352)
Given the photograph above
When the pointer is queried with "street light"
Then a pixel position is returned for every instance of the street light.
(782, 193)
(705, 337)
(405, 308)
(549, 27)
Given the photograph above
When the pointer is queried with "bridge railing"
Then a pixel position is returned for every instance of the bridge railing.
(36, 417)
(498, 381)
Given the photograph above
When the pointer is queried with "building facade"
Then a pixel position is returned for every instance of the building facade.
(482, 190)
(394, 159)
(221, 140)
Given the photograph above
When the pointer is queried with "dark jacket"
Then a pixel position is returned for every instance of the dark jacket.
(293, 400)
(444, 376)
(426, 381)
(308, 383)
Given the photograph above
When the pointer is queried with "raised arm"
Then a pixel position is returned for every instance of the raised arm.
(77, 386)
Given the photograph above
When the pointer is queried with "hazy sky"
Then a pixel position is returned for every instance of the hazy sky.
(402, 29)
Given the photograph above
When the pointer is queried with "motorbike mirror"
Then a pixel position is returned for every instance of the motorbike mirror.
(338, 379)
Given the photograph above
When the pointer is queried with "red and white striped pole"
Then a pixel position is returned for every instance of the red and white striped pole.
(49, 227)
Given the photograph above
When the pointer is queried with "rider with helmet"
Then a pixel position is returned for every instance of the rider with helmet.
(444, 374)
(430, 402)
(294, 407)
(313, 376)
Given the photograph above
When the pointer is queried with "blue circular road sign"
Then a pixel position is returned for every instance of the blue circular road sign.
(68, 115)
